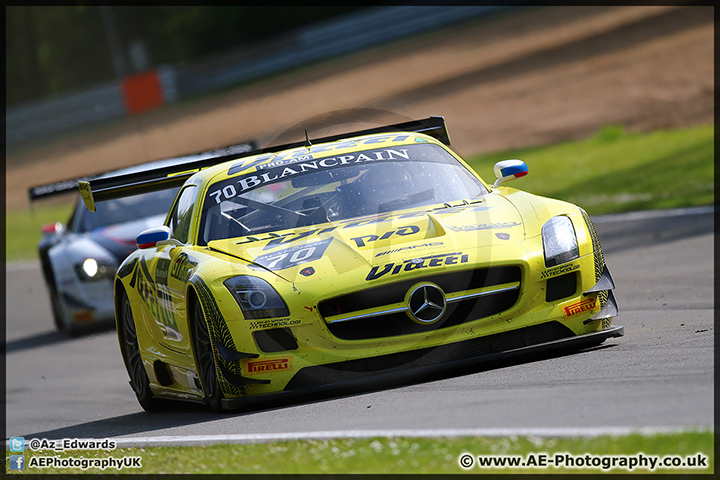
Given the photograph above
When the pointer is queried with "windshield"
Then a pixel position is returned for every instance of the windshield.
(303, 192)
(126, 209)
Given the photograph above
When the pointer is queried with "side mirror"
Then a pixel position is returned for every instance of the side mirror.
(509, 170)
(52, 228)
(153, 237)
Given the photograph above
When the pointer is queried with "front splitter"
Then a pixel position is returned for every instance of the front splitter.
(397, 376)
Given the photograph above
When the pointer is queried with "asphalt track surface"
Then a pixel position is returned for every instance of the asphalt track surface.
(659, 376)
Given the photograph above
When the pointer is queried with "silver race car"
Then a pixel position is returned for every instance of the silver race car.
(79, 258)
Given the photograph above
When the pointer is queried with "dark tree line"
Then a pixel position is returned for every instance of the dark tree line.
(56, 49)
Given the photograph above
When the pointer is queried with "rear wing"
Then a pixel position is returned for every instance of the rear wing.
(108, 188)
(72, 185)
(57, 188)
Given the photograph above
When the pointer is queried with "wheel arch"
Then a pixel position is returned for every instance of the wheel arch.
(119, 293)
(119, 290)
(191, 301)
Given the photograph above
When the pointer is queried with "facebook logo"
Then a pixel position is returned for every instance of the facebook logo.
(17, 444)
(17, 462)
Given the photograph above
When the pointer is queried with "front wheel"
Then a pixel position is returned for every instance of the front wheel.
(131, 355)
(56, 309)
(204, 353)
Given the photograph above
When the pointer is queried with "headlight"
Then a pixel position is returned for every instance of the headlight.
(91, 270)
(256, 298)
(559, 241)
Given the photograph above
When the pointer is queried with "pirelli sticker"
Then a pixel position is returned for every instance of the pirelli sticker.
(269, 366)
(580, 307)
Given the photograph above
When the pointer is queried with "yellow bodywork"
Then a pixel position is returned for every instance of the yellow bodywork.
(361, 260)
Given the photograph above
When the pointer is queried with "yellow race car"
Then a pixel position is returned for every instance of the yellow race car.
(350, 257)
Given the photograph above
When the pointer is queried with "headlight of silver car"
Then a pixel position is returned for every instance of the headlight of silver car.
(92, 270)
(256, 298)
(559, 241)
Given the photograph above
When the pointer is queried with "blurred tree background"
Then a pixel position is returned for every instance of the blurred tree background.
(58, 49)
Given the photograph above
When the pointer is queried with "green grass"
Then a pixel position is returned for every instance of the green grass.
(23, 228)
(399, 455)
(616, 171)
(611, 172)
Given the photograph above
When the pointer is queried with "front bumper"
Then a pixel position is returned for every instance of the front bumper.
(83, 303)
(406, 366)
(302, 351)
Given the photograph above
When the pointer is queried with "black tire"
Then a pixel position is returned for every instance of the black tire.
(205, 357)
(131, 355)
(55, 306)
(56, 309)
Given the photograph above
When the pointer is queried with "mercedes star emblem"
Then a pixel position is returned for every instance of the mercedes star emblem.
(426, 304)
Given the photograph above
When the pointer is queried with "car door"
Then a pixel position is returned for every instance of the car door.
(169, 267)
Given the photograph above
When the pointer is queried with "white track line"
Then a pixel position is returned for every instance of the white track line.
(539, 432)
(198, 440)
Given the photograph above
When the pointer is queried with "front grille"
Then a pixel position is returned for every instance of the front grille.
(395, 324)
(401, 324)
(500, 342)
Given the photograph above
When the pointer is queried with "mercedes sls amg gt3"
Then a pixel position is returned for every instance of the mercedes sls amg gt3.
(317, 263)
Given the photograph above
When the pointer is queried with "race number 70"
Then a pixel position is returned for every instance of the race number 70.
(293, 256)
